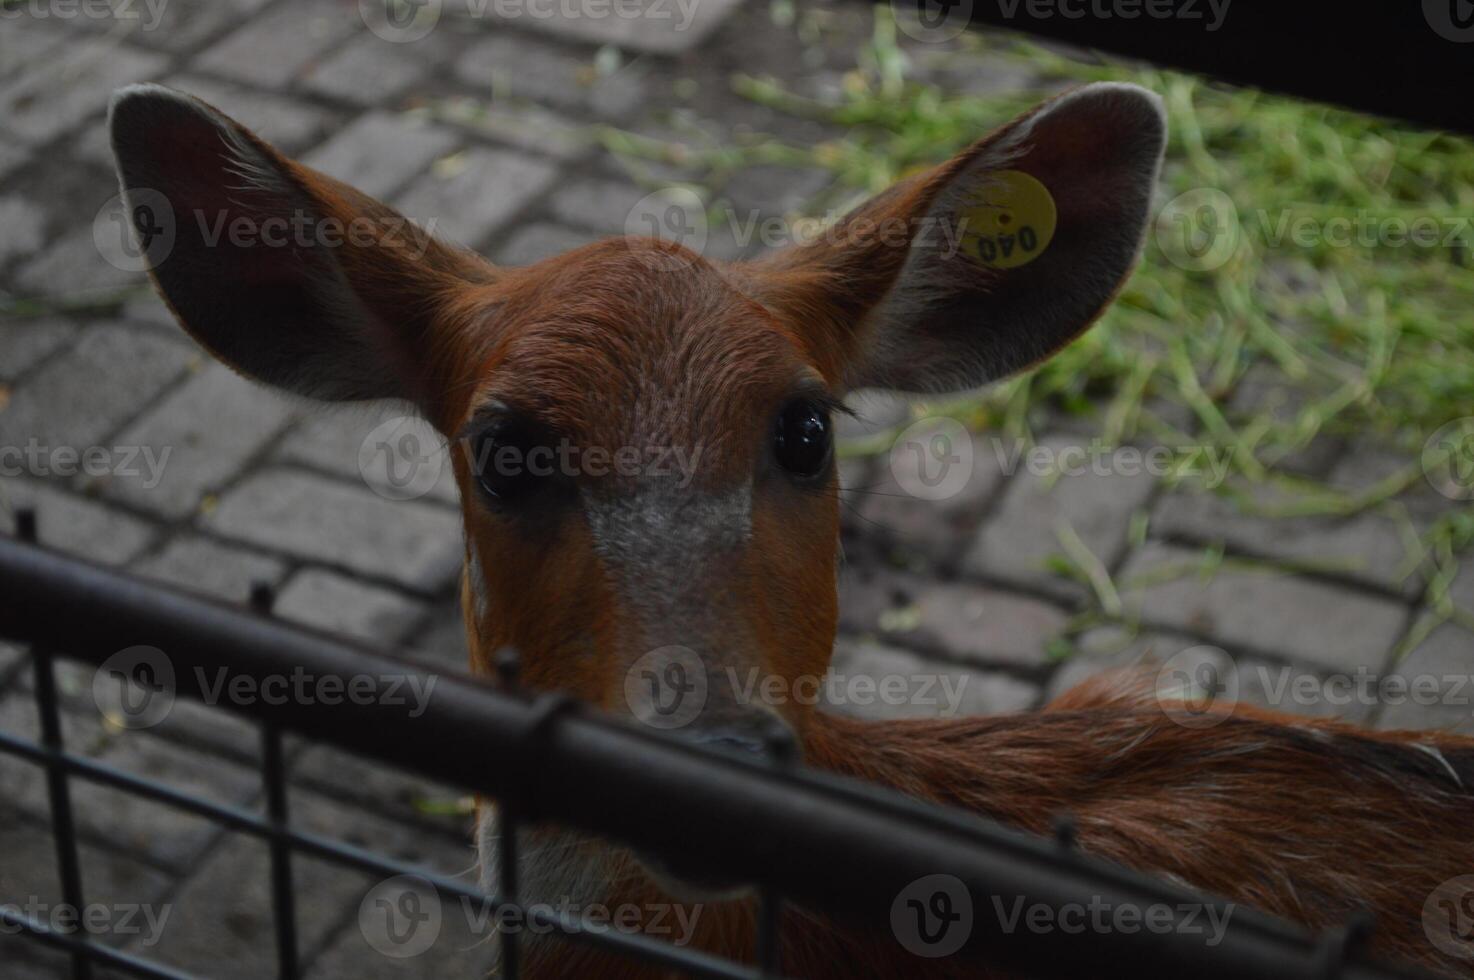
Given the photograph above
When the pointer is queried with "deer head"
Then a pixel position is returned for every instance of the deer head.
(642, 436)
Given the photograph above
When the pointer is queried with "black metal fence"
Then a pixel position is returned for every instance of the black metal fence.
(831, 845)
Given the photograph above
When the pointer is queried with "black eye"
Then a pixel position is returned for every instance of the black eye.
(801, 438)
(513, 461)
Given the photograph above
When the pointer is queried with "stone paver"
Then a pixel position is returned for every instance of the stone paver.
(1017, 543)
(1369, 548)
(870, 680)
(26, 343)
(77, 400)
(59, 93)
(970, 621)
(535, 242)
(339, 605)
(1435, 684)
(369, 72)
(380, 151)
(471, 195)
(504, 65)
(289, 124)
(1261, 609)
(71, 523)
(277, 47)
(210, 568)
(410, 542)
(201, 436)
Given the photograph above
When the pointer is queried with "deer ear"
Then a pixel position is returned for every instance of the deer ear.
(281, 272)
(988, 263)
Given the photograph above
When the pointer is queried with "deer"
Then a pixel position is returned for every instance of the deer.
(587, 571)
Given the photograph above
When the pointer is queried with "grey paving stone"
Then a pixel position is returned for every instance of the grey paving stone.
(289, 124)
(165, 836)
(1436, 685)
(601, 205)
(110, 879)
(1108, 649)
(59, 92)
(368, 71)
(469, 196)
(73, 268)
(222, 924)
(26, 41)
(210, 568)
(1333, 628)
(442, 645)
(410, 542)
(25, 343)
(772, 189)
(200, 437)
(365, 443)
(535, 242)
(1366, 464)
(1022, 533)
(882, 683)
(657, 28)
(525, 126)
(968, 621)
(79, 398)
(181, 25)
(274, 49)
(383, 789)
(924, 531)
(1368, 547)
(11, 158)
(22, 228)
(70, 523)
(340, 605)
(1265, 389)
(381, 151)
(513, 66)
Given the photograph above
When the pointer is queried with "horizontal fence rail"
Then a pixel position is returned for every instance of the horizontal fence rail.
(830, 845)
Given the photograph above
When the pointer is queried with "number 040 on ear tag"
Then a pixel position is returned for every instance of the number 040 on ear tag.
(1012, 222)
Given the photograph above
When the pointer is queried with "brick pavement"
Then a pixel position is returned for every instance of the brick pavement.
(257, 488)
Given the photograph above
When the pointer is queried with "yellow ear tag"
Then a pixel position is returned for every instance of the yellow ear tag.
(1012, 223)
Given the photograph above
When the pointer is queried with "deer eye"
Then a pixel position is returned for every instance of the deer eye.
(802, 442)
(513, 461)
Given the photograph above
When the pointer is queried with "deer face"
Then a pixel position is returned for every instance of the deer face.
(642, 438)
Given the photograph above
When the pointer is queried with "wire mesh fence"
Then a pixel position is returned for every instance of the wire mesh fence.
(831, 846)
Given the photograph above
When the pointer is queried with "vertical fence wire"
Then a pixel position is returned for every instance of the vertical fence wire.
(507, 665)
(58, 787)
(274, 779)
